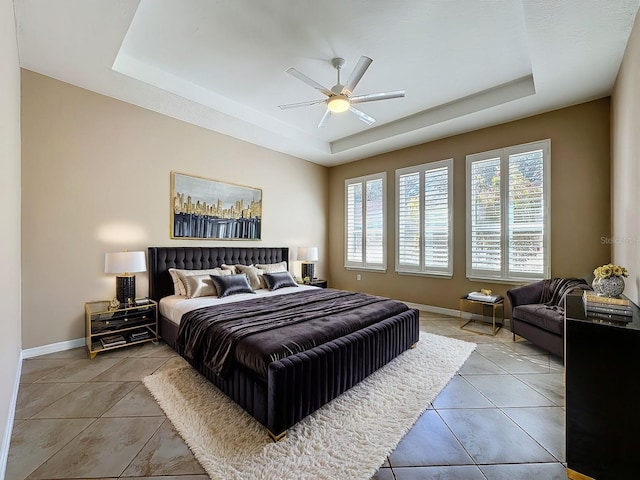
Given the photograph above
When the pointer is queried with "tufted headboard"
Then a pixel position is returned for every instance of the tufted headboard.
(161, 259)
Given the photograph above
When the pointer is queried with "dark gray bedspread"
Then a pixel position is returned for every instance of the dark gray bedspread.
(259, 331)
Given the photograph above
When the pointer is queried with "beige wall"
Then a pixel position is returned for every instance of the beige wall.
(96, 178)
(10, 342)
(579, 201)
(625, 157)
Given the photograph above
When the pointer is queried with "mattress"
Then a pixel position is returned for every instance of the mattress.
(174, 307)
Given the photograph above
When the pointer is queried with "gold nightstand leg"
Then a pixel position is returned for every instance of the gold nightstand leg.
(573, 475)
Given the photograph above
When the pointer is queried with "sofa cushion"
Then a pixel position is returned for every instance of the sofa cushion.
(550, 319)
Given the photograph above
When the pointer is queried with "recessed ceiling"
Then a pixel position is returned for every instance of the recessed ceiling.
(222, 64)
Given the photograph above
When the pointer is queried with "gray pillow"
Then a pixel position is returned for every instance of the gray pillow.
(231, 284)
(279, 280)
(254, 274)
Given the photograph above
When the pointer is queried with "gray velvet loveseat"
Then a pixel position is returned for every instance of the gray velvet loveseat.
(537, 311)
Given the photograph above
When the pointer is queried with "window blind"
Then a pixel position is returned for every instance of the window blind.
(354, 223)
(409, 219)
(507, 213)
(424, 209)
(486, 243)
(436, 218)
(526, 213)
(375, 222)
(365, 222)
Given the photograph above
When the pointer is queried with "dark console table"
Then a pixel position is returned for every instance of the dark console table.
(602, 360)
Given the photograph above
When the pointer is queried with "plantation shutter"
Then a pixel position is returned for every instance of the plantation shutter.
(508, 225)
(365, 222)
(485, 211)
(526, 213)
(436, 218)
(424, 210)
(354, 223)
(375, 222)
(409, 219)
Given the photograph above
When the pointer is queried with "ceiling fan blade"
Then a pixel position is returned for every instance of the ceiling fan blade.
(356, 75)
(363, 116)
(301, 104)
(325, 118)
(372, 97)
(308, 81)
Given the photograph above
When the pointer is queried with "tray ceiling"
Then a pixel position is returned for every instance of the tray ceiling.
(222, 64)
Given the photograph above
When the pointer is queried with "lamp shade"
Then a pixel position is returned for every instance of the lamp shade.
(124, 262)
(308, 254)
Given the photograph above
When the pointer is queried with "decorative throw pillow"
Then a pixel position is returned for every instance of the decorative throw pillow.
(202, 285)
(272, 267)
(254, 274)
(232, 268)
(199, 286)
(278, 280)
(231, 284)
(176, 281)
(182, 274)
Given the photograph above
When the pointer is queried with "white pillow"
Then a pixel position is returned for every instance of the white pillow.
(231, 268)
(182, 274)
(272, 267)
(176, 281)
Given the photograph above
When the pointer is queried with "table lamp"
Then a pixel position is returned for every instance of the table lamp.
(125, 264)
(308, 255)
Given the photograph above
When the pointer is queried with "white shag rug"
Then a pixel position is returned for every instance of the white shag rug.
(349, 438)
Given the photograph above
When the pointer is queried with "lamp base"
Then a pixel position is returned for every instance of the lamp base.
(307, 270)
(126, 289)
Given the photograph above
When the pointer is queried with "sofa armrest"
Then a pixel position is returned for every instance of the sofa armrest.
(525, 294)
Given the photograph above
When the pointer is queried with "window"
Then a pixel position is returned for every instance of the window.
(366, 222)
(508, 226)
(424, 233)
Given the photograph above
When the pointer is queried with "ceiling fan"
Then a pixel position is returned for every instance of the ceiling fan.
(339, 97)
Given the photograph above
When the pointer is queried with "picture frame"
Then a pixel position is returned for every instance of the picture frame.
(203, 208)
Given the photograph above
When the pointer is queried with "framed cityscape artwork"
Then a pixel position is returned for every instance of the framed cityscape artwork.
(209, 209)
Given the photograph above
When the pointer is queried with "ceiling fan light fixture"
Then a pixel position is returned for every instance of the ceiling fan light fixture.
(339, 97)
(338, 104)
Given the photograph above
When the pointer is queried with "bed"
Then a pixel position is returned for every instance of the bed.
(291, 386)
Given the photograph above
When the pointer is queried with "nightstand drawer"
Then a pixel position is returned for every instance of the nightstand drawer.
(117, 320)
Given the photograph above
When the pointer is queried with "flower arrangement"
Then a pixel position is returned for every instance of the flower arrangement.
(610, 270)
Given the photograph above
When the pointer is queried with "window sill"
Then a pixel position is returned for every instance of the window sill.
(506, 281)
(367, 269)
(446, 276)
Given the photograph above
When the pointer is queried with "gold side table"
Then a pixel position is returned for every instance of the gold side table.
(107, 329)
(489, 310)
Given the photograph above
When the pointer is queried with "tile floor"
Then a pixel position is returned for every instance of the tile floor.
(500, 417)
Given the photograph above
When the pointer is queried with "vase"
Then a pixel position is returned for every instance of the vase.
(608, 287)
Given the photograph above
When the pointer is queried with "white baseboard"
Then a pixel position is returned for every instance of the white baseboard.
(28, 353)
(6, 439)
(443, 311)
(447, 311)
(53, 348)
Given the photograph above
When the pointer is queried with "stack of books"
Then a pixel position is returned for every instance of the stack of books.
(481, 297)
(617, 309)
(112, 341)
(141, 335)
